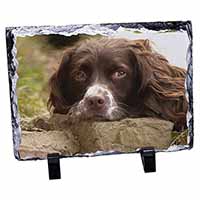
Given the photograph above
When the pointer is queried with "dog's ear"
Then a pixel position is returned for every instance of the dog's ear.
(142, 64)
(160, 84)
(58, 85)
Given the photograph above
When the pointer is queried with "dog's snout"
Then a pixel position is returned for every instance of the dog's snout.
(96, 102)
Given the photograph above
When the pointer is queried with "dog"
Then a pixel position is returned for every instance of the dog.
(113, 78)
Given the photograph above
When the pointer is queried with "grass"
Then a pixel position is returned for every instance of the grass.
(31, 85)
(179, 138)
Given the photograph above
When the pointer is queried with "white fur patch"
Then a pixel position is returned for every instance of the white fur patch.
(97, 90)
(102, 90)
(112, 112)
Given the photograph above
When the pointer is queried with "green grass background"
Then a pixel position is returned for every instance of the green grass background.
(33, 71)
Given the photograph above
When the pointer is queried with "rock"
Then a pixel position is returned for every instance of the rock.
(36, 144)
(125, 136)
(41, 136)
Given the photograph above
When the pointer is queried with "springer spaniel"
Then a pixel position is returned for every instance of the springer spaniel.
(110, 79)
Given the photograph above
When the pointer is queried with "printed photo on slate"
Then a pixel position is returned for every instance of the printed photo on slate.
(87, 90)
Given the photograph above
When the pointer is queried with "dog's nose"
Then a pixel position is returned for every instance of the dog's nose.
(95, 102)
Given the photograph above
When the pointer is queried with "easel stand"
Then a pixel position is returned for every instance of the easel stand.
(148, 159)
(147, 156)
(54, 166)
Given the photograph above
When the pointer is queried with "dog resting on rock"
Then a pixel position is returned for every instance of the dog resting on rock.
(110, 79)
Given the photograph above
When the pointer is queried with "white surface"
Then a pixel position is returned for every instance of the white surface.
(107, 177)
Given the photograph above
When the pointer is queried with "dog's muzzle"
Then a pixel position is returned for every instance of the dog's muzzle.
(98, 102)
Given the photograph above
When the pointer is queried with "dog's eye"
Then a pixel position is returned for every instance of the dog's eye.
(80, 76)
(119, 74)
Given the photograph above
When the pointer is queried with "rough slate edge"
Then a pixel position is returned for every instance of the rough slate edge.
(104, 29)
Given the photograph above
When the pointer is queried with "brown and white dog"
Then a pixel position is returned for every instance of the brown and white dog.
(110, 79)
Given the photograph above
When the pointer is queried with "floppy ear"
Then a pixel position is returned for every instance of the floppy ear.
(161, 85)
(140, 50)
(58, 85)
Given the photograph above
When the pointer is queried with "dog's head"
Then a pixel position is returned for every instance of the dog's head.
(110, 78)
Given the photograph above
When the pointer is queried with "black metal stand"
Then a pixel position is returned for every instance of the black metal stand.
(54, 166)
(148, 159)
(147, 156)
